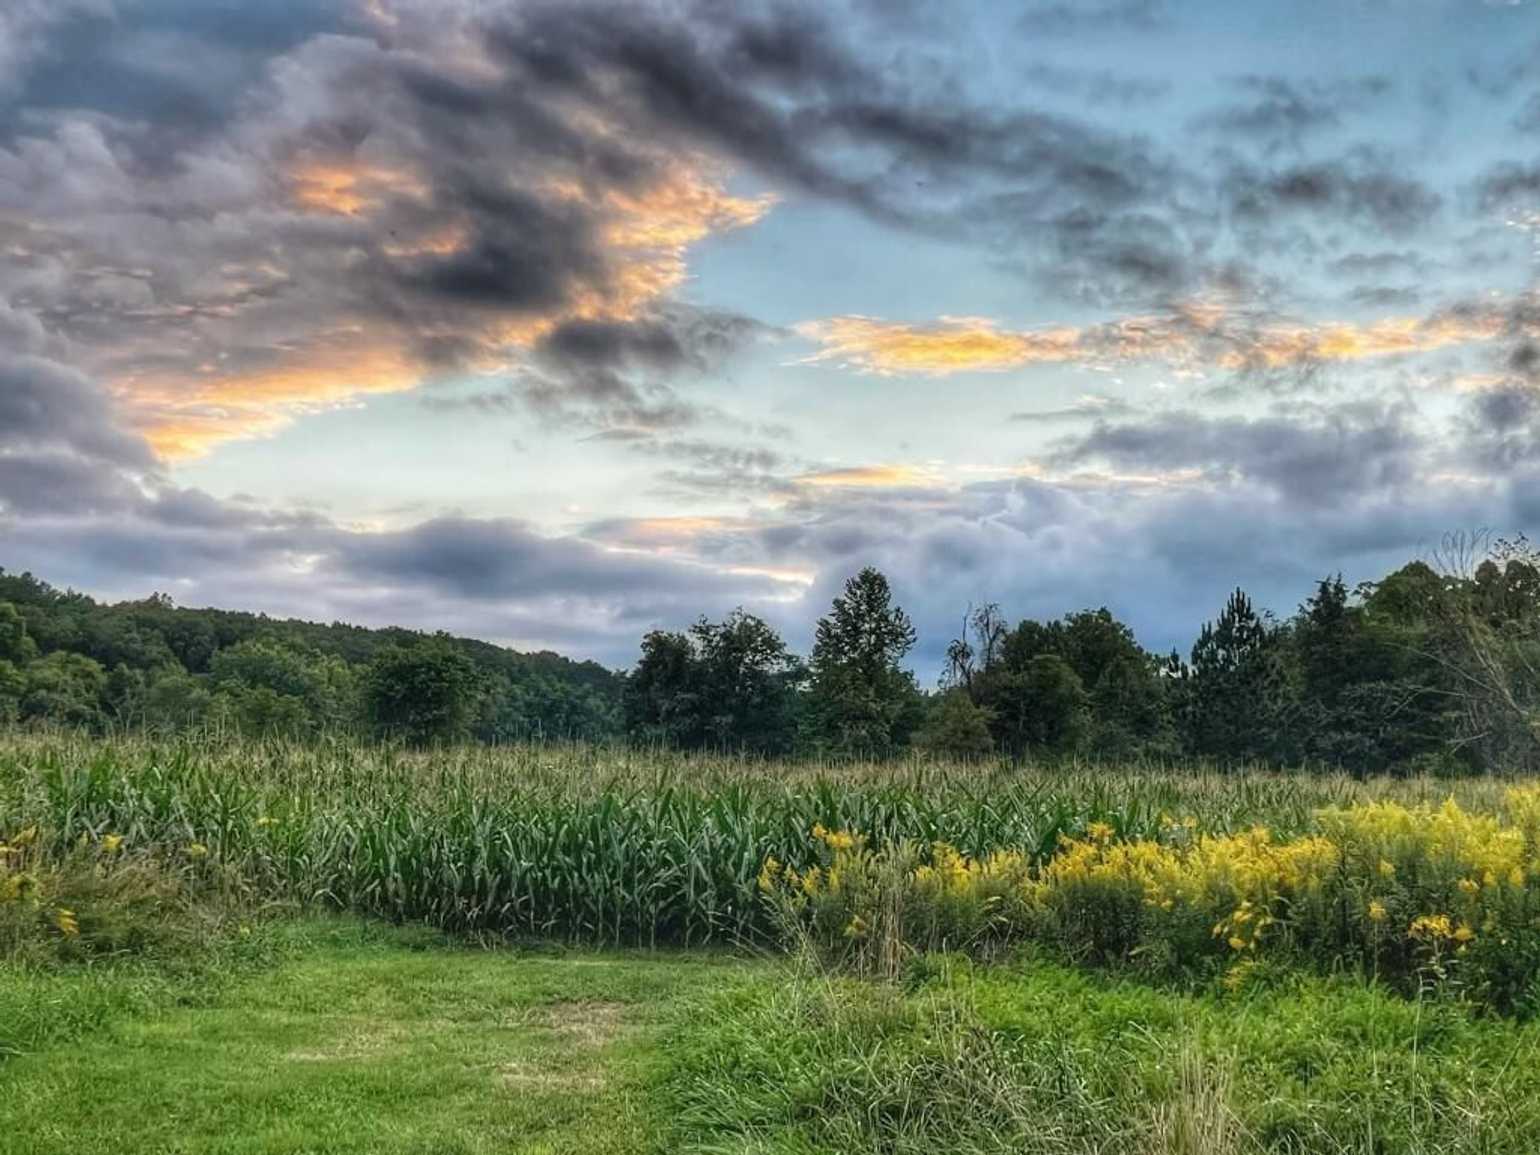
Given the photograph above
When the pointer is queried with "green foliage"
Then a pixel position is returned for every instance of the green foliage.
(16, 647)
(956, 727)
(723, 685)
(1235, 687)
(420, 693)
(862, 701)
(65, 687)
(170, 669)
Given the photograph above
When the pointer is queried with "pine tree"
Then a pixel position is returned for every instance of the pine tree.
(1235, 692)
(861, 699)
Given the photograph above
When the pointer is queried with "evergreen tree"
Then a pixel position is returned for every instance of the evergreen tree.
(861, 699)
(1234, 695)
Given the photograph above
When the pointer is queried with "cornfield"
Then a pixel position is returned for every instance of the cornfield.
(593, 844)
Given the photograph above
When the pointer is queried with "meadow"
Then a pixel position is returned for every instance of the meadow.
(567, 948)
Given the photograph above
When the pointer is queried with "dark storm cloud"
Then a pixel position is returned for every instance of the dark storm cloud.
(613, 375)
(47, 405)
(494, 559)
(1509, 185)
(1274, 112)
(1362, 189)
(1312, 459)
(781, 89)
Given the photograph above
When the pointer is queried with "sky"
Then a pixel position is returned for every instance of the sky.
(552, 323)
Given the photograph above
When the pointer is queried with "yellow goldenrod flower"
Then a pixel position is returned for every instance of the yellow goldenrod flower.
(1469, 885)
(1237, 943)
(1387, 868)
(66, 923)
(1431, 927)
(1100, 832)
(1463, 933)
(197, 850)
(112, 843)
(1377, 911)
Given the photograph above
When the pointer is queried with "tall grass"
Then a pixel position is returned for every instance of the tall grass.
(596, 844)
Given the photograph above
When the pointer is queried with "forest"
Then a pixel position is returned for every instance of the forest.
(1434, 667)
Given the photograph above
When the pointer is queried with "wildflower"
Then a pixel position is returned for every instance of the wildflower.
(1431, 927)
(66, 923)
(1235, 977)
(1469, 885)
(112, 843)
(265, 822)
(768, 874)
(1377, 911)
(197, 850)
(1463, 933)
(15, 887)
(811, 881)
(1237, 942)
(857, 928)
(1100, 832)
(1387, 868)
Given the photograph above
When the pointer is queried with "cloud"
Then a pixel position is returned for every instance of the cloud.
(1086, 407)
(1196, 335)
(1276, 112)
(1509, 185)
(869, 477)
(377, 211)
(1363, 189)
(952, 345)
(1312, 459)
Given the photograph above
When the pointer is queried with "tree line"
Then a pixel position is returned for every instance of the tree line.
(1434, 667)
(151, 665)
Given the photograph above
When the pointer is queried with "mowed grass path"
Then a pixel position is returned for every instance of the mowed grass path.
(373, 1048)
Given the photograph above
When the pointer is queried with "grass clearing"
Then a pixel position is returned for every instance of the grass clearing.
(351, 1037)
(360, 1041)
(1038, 1058)
(1357, 979)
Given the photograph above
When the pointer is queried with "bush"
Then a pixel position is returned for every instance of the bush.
(1421, 896)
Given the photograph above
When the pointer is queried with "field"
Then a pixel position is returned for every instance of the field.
(260, 948)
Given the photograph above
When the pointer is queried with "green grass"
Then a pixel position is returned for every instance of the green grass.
(358, 1041)
(1037, 1058)
(341, 1037)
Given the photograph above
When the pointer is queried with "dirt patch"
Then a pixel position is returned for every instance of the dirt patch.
(530, 1077)
(361, 1039)
(582, 1023)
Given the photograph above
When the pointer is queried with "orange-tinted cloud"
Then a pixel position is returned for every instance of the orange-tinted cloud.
(1197, 335)
(871, 477)
(953, 345)
(648, 234)
(347, 187)
(185, 416)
